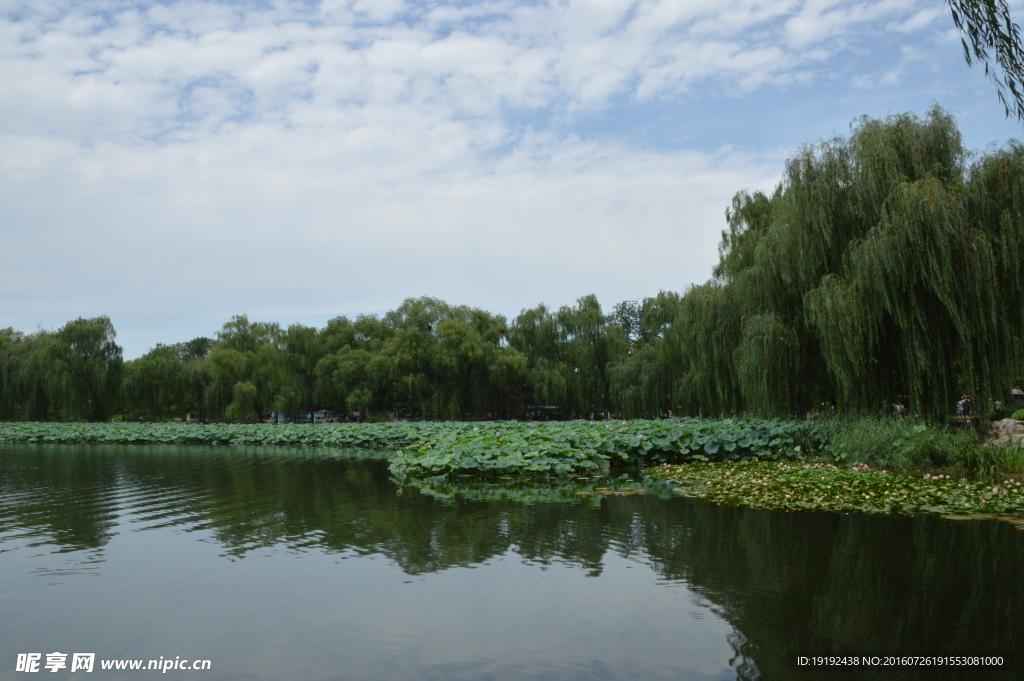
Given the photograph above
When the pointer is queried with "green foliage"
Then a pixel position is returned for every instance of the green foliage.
(990, 35)
(425, 357)
(586, 446)
(474, 460)
(907, 445)
(247, 369)
(883, 268)
(336, 435)
(244, 397)
(569, 354)
(988, 462)
(72, 373)
(12, 397)
(167, 381)
(558, 448)
(1018, 415)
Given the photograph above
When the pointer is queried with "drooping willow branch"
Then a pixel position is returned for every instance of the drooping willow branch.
(990, 36)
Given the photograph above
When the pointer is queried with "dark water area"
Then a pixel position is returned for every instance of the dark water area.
(279, 563)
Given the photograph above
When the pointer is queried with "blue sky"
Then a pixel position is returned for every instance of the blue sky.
(170, 164)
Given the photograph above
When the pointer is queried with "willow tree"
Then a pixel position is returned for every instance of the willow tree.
(302, 349)
(32, 389)
(246, 368)
(569, 354)
(927, 304)
(702, 343)
(347, 375)
(168, 381)
(593, 346)
(436, 359)
(155, 384)
(83, 369)
(885, 267)
(426, 356)
(991, 37)
(12, 394)
(686, 364)
(642, 380)
(537, 334)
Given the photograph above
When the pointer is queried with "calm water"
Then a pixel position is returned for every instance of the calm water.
(313, 564)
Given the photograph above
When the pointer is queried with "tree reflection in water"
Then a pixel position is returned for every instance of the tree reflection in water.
(784, 581)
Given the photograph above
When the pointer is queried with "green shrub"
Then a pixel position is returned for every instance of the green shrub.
(905, 445)
(1019, 415)
(881, 443)
(896, 443)
(967, 455)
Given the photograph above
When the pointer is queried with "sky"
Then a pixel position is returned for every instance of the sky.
(171, 164)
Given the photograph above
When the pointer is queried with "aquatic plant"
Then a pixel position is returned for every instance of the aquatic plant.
(826, 487)
(496, 447)
(580, 446)
(561, 448)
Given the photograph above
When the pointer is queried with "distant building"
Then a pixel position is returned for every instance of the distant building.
(306, 417)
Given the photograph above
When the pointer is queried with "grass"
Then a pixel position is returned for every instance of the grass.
(914, 447)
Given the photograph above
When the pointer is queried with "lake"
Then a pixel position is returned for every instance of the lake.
(290, 563)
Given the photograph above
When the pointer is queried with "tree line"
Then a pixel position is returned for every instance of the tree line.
(885, 267)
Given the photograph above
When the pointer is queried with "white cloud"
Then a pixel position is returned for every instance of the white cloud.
(159, 154)
(111, 70)
(921, 19)
(819, 20)
(248, 218)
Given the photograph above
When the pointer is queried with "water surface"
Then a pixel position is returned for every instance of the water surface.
(282, 563)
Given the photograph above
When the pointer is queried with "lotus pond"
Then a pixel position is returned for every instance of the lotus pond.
(309, 562)
(557, 448)
(742, 462)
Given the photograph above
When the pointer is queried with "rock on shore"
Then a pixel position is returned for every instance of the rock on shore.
(1005, 431)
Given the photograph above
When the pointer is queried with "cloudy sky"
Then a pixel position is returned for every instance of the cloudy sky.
(170, 164)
